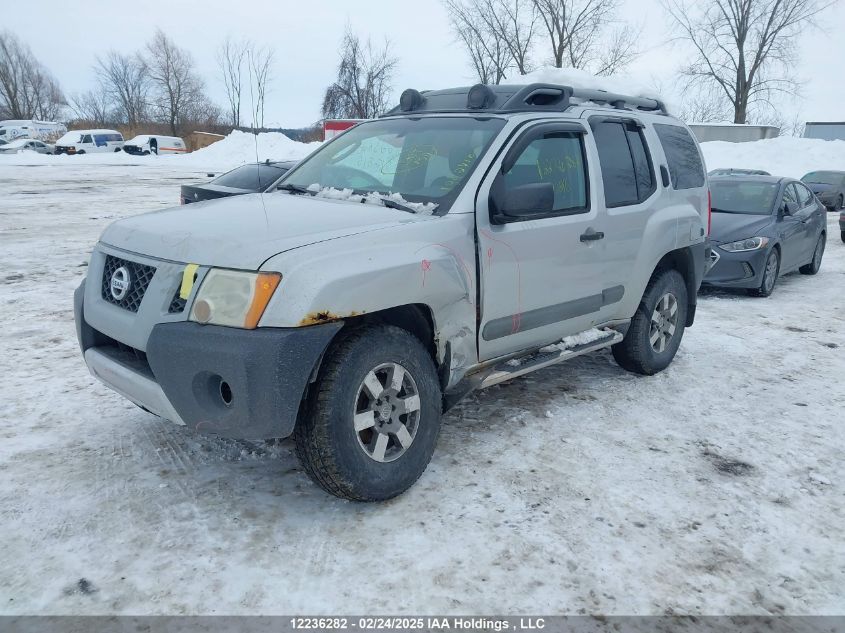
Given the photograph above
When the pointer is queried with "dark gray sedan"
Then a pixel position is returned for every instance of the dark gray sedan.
(763, 227)
(829, 187)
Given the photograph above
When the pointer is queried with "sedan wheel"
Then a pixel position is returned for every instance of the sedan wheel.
(813, 267)
(770, 275)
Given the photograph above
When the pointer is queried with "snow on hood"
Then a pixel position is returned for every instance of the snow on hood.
(244, 231)
(138, 140)
(69, 139)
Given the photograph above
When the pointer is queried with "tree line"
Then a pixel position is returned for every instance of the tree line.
(739, 60)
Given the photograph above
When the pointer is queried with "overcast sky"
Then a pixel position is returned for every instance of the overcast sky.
(66, 35)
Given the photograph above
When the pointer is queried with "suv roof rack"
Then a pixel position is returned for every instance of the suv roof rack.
(536, 97)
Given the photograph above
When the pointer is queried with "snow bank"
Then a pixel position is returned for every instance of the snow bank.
(236, 149)
(242, 147)
(782, 156)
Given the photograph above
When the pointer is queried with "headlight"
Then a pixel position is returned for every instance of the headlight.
(233, 298)
(751, 244)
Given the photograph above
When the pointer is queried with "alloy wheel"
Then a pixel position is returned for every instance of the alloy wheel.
(664, 322)
(387, 412)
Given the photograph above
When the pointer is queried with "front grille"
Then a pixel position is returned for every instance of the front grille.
(140, 276)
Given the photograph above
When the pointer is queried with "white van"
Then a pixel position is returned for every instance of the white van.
(26, 128)
(144, 144)
(89, 141)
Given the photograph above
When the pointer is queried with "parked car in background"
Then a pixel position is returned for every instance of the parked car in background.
(144, 144)
(441, 248)
(763, 227)
(829, 187)
(250, 178)
(730, 171)
(27, 145)
(89, 141)
(842, 225)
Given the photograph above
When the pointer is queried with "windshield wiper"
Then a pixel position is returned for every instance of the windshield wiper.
(294, 188)
(390, 203)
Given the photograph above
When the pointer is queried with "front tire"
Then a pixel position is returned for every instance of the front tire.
(373, 416)
(657, 327)
(813, 267)
(770, 275)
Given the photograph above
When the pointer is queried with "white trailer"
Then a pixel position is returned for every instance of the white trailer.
(31, 128)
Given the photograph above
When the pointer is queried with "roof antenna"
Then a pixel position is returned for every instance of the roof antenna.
(255, 138)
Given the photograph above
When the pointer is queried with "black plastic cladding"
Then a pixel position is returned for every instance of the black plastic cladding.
(536, 97)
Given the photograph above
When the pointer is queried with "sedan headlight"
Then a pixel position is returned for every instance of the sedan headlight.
(233, 298)
(750, 244)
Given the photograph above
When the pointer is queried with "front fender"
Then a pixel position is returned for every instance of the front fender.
(430, 262)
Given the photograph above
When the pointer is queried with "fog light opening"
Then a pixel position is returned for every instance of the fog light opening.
(226, 393)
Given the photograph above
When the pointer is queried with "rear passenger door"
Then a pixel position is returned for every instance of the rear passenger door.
(628, 185)
(813, 219)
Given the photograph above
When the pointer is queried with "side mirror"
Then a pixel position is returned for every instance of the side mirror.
(524, 201)
(790, 208)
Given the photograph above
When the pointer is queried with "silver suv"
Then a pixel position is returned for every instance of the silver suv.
(467, 237)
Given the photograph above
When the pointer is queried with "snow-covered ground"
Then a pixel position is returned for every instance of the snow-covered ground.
(717, 486)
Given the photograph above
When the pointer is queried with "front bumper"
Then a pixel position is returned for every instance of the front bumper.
(236, 383)
(736, 270)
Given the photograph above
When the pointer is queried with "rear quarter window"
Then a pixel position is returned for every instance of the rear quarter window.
(685, 168)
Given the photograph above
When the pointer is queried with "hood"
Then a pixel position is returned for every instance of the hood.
(244, 231)
(728, 227)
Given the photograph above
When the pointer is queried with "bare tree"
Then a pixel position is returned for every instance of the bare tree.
(260, 64)
(177, 90)
(489, 53)
(230, 60)
(94, 106)
(364, 80)
(743, 48)
(27, 89)
(579, 35)
(124, 80)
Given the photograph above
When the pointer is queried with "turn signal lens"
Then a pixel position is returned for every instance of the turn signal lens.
(265, 286)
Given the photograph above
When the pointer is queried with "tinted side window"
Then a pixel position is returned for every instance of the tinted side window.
(642, 162)
(556, 158)
(617, 164)
(86, 139)
(805, 198)
(625, 165)
(789, 194)
(685, 166)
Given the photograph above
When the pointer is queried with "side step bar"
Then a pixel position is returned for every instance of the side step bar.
(550, 355)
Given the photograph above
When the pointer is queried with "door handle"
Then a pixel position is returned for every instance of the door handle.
(590, 235)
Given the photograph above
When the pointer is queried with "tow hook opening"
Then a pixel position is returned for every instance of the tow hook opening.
(226, 393)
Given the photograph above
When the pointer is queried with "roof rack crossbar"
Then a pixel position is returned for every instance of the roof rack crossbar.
(619, 101)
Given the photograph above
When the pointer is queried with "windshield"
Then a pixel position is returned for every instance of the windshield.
(422, 160)
(738, 196)
(825, 177)
(70, 137)
(251, 177)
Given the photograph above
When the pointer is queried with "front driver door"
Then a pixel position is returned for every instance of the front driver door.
(541, 276)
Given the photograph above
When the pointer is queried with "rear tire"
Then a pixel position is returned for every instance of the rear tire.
(842, 235)
(657, 327)
(362, 445)
(840, 202)
(770, 276)
(813, 267)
